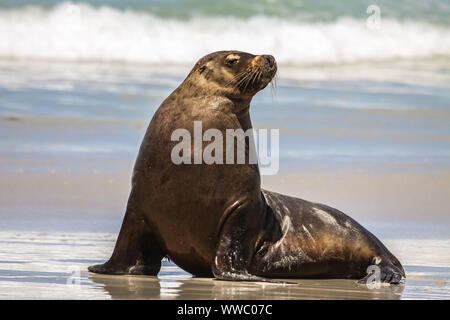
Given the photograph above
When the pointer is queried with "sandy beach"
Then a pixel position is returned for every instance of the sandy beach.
(60, 214)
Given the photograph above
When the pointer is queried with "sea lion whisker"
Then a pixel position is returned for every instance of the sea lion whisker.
(273, 86)
(259, 75)
(242, 80)
(239, 75)
(243, 75)
(252, 78)
(245, 81)
(255, 77)
(248, 81)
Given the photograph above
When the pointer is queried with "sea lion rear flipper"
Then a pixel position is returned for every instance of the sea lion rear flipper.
(136, 252)
(386, 273)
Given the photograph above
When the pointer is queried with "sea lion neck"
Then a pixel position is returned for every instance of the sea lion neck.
(243, 117)
(241, 104)
(192, 87)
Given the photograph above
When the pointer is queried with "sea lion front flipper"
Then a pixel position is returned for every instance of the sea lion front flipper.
(235, 248)
(136, 251)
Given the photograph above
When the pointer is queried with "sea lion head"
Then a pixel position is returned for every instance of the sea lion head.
(234, 73)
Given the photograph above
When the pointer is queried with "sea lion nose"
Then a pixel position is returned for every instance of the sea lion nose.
(270, 60)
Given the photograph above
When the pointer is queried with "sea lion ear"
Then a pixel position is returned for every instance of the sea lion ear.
(201, 69)
(207, 65)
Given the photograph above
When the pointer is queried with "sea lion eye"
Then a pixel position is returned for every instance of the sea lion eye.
(232, 59)
(230, 62)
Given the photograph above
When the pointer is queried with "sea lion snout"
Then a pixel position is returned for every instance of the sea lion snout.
(264, 62)
(270, 61)
(262, 69)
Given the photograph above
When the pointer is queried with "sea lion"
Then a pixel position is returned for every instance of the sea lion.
(214, 219)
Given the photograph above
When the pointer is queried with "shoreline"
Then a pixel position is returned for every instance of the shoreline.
(101, 188)
(52, 265)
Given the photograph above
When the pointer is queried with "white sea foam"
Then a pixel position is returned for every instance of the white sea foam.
(84, 33)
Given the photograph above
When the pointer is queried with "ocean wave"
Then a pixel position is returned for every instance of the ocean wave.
(81, 32)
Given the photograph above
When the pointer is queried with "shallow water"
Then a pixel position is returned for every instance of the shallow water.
(392, 113)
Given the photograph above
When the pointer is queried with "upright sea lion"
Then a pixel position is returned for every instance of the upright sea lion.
(214, 219)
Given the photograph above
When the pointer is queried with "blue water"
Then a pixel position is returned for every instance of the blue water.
(346, 93)
(103, 111)
(433, 11)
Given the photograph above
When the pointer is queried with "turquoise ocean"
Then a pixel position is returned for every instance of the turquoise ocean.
(346, 92)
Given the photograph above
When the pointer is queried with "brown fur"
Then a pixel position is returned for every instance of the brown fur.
(215, 219)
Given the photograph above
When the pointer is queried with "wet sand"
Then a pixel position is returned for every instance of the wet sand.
(52, 265)
(97, 190)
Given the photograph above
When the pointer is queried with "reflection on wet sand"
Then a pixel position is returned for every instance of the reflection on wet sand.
(53, 265)
(172, 283)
